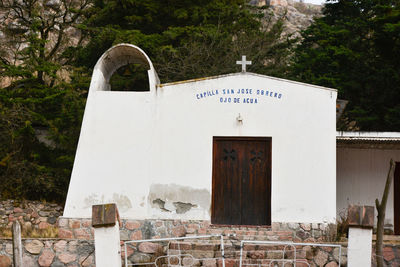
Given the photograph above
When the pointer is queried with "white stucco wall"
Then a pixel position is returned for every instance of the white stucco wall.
(361, 177)
(136, 147)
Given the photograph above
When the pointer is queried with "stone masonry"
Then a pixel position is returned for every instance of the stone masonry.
(74, 246)
(50, 252)
(150, 229)
(154, 229)
(76, 252)
(29, 213)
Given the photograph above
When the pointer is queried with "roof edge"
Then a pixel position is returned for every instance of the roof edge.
(367, 135)
(244, 73)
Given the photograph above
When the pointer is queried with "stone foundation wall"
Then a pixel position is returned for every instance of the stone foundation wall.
(74, 243)
(296, 232)
(29, 213)
(34, 214)
(150, 229)
(50, 252)
(208, 253)
(74, 253)
(391, 255)
(78, 252)
(153, 229)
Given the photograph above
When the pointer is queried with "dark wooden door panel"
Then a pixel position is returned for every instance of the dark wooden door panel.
(396, 197)
(256, 185)
(241, 181)
(226, 194)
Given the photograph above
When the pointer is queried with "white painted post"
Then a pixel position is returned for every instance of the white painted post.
(361, 222)
(105, 220)
(360, 247)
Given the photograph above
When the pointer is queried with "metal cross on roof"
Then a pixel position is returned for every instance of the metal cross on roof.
(243, 63)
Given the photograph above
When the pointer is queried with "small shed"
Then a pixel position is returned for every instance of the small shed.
(362, 165)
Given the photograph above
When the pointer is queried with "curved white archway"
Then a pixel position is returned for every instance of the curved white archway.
(116, 57)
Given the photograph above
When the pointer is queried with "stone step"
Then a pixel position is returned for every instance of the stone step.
(246, 255)
(245, 235)
(207, 253)
(228, 245)
(195, 245)
(217, 262)
(210, 255)
(236, 263)
(241, 232)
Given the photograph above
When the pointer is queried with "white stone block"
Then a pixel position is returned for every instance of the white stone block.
(360, 247)
(107, 246)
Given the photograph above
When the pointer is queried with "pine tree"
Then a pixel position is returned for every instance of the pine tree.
(355, 47)
(40, 109)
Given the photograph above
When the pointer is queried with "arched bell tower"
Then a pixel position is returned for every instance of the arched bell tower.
(116, 57)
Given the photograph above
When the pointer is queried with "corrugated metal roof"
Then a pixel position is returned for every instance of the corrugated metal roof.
(379, 139)
(369, 136)
(370, 140)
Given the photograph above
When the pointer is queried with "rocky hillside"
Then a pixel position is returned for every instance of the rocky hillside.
(298, 16)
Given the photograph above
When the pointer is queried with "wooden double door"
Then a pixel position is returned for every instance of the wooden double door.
(241, 189)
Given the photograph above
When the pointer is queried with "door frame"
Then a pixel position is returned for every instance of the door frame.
(242, 138)
(396, 199)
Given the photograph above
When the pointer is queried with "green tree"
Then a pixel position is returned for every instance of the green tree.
(45, 69)
(355, 47)
(40, 98)
(189, 39)
(214, 51)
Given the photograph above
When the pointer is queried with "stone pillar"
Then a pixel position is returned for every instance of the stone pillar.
(106, 222)
(361, 223)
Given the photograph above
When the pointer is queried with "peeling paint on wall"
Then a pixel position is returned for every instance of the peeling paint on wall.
(123, 202)
(180, 199)
(161, 204)
(183, 207)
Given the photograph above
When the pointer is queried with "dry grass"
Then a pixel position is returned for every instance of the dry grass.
(342, 223)
(5, 232)
(31, 232)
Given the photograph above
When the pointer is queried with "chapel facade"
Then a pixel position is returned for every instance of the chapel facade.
(237, 149)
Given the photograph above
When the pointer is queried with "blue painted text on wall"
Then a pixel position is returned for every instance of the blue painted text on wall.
(241, 95)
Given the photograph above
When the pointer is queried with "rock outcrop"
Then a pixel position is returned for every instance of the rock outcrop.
(297, 15)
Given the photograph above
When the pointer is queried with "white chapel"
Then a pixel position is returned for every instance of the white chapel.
(240, 148)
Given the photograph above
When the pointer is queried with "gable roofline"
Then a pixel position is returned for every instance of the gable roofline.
(244, 73)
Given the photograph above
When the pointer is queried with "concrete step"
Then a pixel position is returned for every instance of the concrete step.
(246, 255)
(210, 255)
(207, 252)
(228, 246)
(236, 263)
